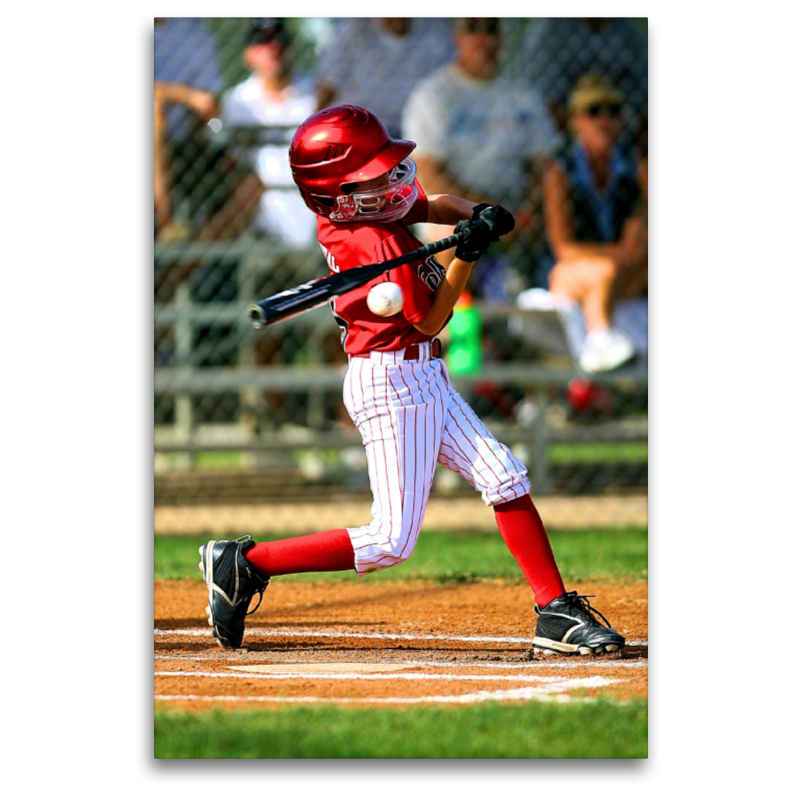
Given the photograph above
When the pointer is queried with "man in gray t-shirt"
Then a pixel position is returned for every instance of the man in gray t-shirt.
(480, 134)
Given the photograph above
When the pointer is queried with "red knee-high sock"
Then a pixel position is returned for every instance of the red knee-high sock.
(329, 551)
(525, 536)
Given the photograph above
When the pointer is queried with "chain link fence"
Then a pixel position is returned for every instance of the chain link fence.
(251, 434)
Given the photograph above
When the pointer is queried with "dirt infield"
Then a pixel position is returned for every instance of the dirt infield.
(386, 643)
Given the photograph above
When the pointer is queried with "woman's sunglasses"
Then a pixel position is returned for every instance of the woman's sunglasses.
(602, 110)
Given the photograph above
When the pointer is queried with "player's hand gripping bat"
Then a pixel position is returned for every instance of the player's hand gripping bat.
(479, 232)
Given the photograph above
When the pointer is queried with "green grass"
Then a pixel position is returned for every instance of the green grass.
(593, 554)
(490, 730)
(557, 452)
(597, 452)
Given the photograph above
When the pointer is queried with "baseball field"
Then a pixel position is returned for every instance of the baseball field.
(431, 659)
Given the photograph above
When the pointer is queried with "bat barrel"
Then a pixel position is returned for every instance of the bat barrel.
(257, 317)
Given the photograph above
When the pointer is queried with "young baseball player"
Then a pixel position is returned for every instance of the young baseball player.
(361, 184)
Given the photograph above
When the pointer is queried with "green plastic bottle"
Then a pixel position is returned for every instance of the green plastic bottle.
(464, 350)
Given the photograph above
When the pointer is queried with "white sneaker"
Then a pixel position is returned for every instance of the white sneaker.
(605, 350)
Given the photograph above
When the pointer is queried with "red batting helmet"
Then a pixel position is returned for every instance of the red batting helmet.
(342, 145)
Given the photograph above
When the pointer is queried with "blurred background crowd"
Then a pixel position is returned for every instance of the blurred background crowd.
(547, 117)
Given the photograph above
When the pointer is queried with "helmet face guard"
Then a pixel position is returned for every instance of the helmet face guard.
(342, 146)
(383, 204)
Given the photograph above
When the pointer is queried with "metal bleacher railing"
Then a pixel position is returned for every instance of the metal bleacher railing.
(183, 437)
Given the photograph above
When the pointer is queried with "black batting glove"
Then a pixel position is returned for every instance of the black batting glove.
(498, 220)
(477, 238)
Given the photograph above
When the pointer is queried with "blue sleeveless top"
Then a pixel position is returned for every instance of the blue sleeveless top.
(598, 216)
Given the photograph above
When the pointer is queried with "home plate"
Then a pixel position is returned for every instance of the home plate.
(277, 669)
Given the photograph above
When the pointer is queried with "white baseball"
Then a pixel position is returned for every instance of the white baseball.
(385, 299)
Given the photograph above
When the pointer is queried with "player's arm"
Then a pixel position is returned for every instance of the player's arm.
(447, 209)
(451, 207)
(437, 180)
(486, 225)
(446, 296)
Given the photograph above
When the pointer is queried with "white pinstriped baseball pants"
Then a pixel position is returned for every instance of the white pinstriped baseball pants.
(410, 417)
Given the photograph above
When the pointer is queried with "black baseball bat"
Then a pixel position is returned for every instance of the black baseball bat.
(313, 294)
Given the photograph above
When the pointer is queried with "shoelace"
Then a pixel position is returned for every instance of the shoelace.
(260, 598)
(242, 540)
(582, 601)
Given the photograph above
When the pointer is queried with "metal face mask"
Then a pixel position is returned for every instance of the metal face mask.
(383, 204)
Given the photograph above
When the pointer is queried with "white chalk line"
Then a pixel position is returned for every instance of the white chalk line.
(519, 694)
(384, 676)
(582, 663)
(338, 635)
(552, 693)
(265, 632)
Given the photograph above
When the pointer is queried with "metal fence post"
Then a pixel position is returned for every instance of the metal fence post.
(251, 400)
(184, 415)
(540, 478)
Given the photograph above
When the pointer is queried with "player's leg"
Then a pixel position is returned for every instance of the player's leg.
(235, 571)
(399, 411)
(567, 624)
(470, 449)
(397, 419)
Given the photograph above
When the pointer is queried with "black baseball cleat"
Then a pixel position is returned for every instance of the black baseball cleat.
(231, 583)
(567, 625)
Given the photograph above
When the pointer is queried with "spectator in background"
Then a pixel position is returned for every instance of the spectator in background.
(479, 134)
(595, 197)
(187, 80)
(375, 63)
(184, 55)
(201, 192)
(271, 97)
(557, 52)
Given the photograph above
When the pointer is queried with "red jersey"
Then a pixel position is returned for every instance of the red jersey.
(347, 245)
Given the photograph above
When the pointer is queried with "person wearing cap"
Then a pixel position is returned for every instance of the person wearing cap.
(556, 52)
(480, 134)
(271, 97)
(595, 204)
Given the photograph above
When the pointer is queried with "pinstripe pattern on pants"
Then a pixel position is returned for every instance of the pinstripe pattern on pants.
(410, 418)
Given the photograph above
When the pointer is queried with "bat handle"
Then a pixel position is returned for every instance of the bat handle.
(443, 244)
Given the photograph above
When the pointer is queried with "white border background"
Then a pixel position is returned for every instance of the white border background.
(78, 413)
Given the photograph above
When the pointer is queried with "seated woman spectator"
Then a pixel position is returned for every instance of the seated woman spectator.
(595, 206)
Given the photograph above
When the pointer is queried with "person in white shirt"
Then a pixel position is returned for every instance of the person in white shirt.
(271, 97)
(479, 134)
